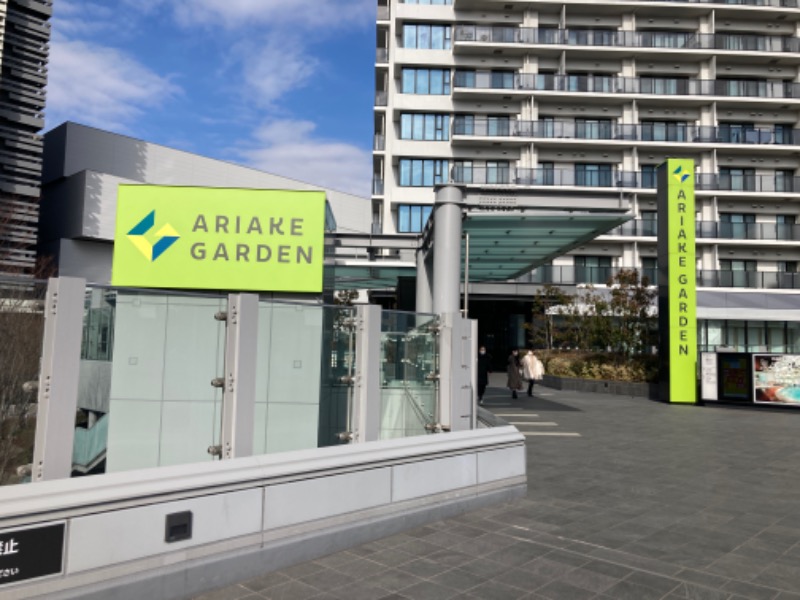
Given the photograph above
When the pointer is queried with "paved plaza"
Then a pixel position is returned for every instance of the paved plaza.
(628, 499)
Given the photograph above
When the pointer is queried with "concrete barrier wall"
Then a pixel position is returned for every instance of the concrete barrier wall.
(256, 514)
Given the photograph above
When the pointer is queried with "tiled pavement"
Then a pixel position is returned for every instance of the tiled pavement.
(650, 502)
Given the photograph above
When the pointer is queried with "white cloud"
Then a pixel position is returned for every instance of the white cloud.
(100, 86)
(289, 148)
(274, 68)
(296, 13)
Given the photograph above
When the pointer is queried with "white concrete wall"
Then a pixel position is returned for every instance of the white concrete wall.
(249, 511)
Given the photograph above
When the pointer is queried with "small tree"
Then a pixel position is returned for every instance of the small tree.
(543, 330)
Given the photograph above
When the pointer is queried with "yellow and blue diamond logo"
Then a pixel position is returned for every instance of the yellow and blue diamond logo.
(166, 236)
(679, 175)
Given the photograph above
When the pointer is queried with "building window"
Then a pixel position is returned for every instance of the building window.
(664, 85)
(464, 125)
(649, 223)
(591, 37)
(419, 172)
(498, 126)
(650, 270)
(547, 173)
(736, 179)
(429, 2)
(592, 269)
(465, 79)
(497, 171)
(462, 171)
(427, 127)
(435, 82)
(735, 133)
(784, 180)
(593, 129)
(665, 39)
(592, 175)
(502, 80)
(411, 218)
(649, 176)
(663, 131)
(426, 37)
(737, 225)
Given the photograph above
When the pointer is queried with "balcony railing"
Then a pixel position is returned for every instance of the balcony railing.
(379, 142)
(717, 230)
(627, 39)
(775, 3)
(383, 13)
(669, 132)
(377, 186)
(615, 178)
(572, 275)
(381, 98)
(381, 56)
(612, 84)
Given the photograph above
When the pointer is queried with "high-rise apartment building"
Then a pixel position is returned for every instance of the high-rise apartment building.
(586, 98)
(24, 39)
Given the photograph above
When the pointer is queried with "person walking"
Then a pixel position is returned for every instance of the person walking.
(484, 368)
(514, 382)
(532, 370)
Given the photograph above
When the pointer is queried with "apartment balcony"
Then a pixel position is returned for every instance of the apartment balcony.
(377, 186)
(379, 142)
(774, 280)
(382, 56)
(609, 176)
(613, 84)
(747, 183)
(572, 275)
(381, 98)
(661, 40)
(594, 130)
(773, 3)
(383, 13)
(717, 230)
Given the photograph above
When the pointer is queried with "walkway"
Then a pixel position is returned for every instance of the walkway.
(649, 502)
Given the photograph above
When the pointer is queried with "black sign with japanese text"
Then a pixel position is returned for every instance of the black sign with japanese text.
(31, 552)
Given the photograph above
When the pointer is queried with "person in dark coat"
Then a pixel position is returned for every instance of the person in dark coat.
(484, 368)
(514, 376)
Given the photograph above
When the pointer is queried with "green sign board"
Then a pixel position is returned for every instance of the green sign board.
(677, 275)
(220, 239)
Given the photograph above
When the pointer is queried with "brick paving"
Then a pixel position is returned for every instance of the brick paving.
(650, 502)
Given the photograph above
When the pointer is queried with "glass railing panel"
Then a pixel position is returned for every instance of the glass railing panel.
(409, 365)
(21, 329)
(162, 409)
(89, 450)
(288, 351)
(306, 354)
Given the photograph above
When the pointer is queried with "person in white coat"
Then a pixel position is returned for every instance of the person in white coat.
(532, 370)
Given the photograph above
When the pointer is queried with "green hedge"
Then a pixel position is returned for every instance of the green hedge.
(607, 367)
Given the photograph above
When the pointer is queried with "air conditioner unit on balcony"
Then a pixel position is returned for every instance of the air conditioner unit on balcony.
(484, 37)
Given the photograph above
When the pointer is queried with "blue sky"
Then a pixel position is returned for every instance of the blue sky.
(281, 85)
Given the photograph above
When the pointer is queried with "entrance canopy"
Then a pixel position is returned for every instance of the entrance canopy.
(505, 245)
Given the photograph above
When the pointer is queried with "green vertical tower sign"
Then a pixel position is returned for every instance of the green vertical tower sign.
(677, 294)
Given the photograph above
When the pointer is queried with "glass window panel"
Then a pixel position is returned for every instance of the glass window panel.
(403, 219)
(405, 126)
(405, 172)
(422, 81)
(429, 126)
(419, 127)
(409, 81)
(416, 172)
(437, 38)
(409, 36)
(423, 36)
(437, 82)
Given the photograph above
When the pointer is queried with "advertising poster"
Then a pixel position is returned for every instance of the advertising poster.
(776, 379)
(734, 377)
